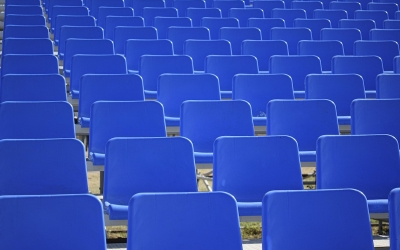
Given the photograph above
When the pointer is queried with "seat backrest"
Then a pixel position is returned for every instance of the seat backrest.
(288, 15)
(149, 13)
(184, 210)
(105, 11)
(24, 9)
(342, 89)
(36, 120)
(292, 36)
(27, 46)
(215, 23)
(112, 87)
(315, 25)
(308, 6)
(178, 36)
(22, 2)
(377, 15)
(391, 24)
(139, 5)
(263, 50)
(51, 3)
(396, 65)
(325, 50)
(385, 34)
(320, 212)
(29, 64)
(25, 31)
(386, 50)
(41, 87)
(248, 167)
(67, 10)
(124, 119)
(380, 116)
(259, 89)
(366, 66)
(96, 4)
(135, 48)
(152, 66)
(198, 50)
(174, 89)
(226, 5)
(266, 24)
(305, 120)
(17, 19)
(204, 121)
(132, 166)
(57, 165)
(390, 8)
(196, 14)
(78, 32)
(369, 163)
(394, 217)
(364, 25)
(123, 33)
(225, 67)
(182, 6)
(268, 6)
(333, 15)
(94, 64)
(290, 65)
(388, 86)
(163, 23)
(114, 21)
(237, 35)
(346, 35)
(56, 216)
(243, 14)
(349, 7)
(67, 20)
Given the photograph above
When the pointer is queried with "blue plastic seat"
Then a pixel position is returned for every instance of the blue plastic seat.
(183, 5)
(356, 162)
(380, 116)
(390, 8)
(366, 66)
(364, 3)
(149, 13)
(25, 31)
(397, 15)
(388, 86)
(391, 24)
(152, 66)
(27, 46)
(308, 6)
(259, 89)
(247, 167)
(304, 120)
(315, 25)
(139, 5)
(36, 120)
(268, 5)
(22, 2)
(346, 35)
(204, 121)
(342, 89)
(85, 46)
(114, 21)
(321, 213)
(265, 24)
(385, 34)
(163, 23)
(96, 4)
(214, 24)
(57, 165)
(185, 210)
(50, 5)
(377, 15)
(364, 25)
(14, 19)
(112, 87)
(174, 89)
(94, 64)
(263, 50)
(66, 20)
(39, 87)
(196, 14)
(77, 32)
(122, 119)
(292, 36)
(226, 5)
(349, 7)
(198, 50)
(237, 35)
(105, 11)
(243, 14)
(122, 34)
(131, 167)
(386, 50)
(226, 67)
(24, 9)
(135, 48)
(29, 64)
(325, 50)
(288, 15)
(178, 36)
(31, 217)
(66, 10)
(394, 218)
(333, 15)
(290, 65)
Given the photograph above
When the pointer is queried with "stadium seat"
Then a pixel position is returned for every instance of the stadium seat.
(196, 14)
(388, 86)
(243, 14)
(226, 5)
(67, 20)
(377, 15)
(315, 25)
(348, 6)
(51, 4)
(105, 11)
(14, 19)
(67, 10)
(139, 5)
(114, 21)
(237, 35)
(268, 6)
(183, 5)
(214, 24)
(385, 34)
(386, 50)
(29, 64)
(163, 23)
(149, 13)
(288, 15)
(178, 36)
(24, 9)
(390, 8)
(364, 25)
(325, 50)
(265, 24)
(96, 4)
(43, 46)
(333, 15)
(394, 218)
(346, 35)
(122, 34)
(391, 24)
(308, 6)
(292, 36)
(25, 31)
